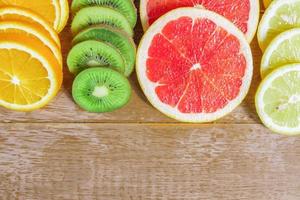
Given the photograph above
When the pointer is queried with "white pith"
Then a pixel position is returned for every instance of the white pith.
(57, 8)
(252, 22)
(15, 80)
(148, 86)
(259, 100)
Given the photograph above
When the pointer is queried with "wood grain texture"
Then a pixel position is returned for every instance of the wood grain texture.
(136, 153)
(96, 161)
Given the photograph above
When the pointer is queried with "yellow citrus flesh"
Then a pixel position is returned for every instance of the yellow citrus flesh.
(48, 9)
(29, 30)
(30, 76)
(27, 16)
(64, 14)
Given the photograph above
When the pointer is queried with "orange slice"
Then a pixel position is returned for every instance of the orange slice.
(25, 15)
(64, 14)
(30, 76)
(48, 9)
(31, 31)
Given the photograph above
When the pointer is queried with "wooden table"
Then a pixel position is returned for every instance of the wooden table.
(63, 153)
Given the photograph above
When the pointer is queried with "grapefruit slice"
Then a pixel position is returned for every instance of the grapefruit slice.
(243, 13)
(194, 65)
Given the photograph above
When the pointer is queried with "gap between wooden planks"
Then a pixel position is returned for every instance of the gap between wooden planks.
(105, 161)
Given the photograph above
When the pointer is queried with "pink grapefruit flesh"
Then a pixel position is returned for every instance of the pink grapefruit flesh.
(243, 13)
(194, 65)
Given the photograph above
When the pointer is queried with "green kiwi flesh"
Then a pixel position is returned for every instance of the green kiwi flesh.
(100, 90)
(125, 7)
(89, 16)
(116, 38)
(92, 53)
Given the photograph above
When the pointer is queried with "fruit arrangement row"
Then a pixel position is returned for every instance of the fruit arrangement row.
(103, 53)
(278, 97)
(30, 51)
(194, 62)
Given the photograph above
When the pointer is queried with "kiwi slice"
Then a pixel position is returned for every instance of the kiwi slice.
(125, 7)
(92, 53)
(89, 16)
(101, 90)
(116, 38)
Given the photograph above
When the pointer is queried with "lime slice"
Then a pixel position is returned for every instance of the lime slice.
(279, 17)
(283, 50)
(278, 100)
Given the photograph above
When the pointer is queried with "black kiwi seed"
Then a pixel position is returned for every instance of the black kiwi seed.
(116, 38)
(92, 53)
(101, 90)
(125, 7)
(100, 15)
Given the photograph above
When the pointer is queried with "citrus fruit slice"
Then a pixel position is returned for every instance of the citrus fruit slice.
(243, 13)
(278, 100)
(48, 9)
(29, 74)
(64, 14)
(267, 3)
(283, 50)
(31, 31)
(194, 65)
(22, 14)
(278, 17)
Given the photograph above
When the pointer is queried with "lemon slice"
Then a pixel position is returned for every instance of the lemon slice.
(283, 50)
(30, 76)
(280, 16)
(278, 100)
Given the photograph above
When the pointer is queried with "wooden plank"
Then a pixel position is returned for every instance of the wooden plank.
(97, 161)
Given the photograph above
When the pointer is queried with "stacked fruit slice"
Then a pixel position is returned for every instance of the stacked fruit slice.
(195, 64)
(103, 53)
(278, 97)
(55, 12)
(30, 51)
